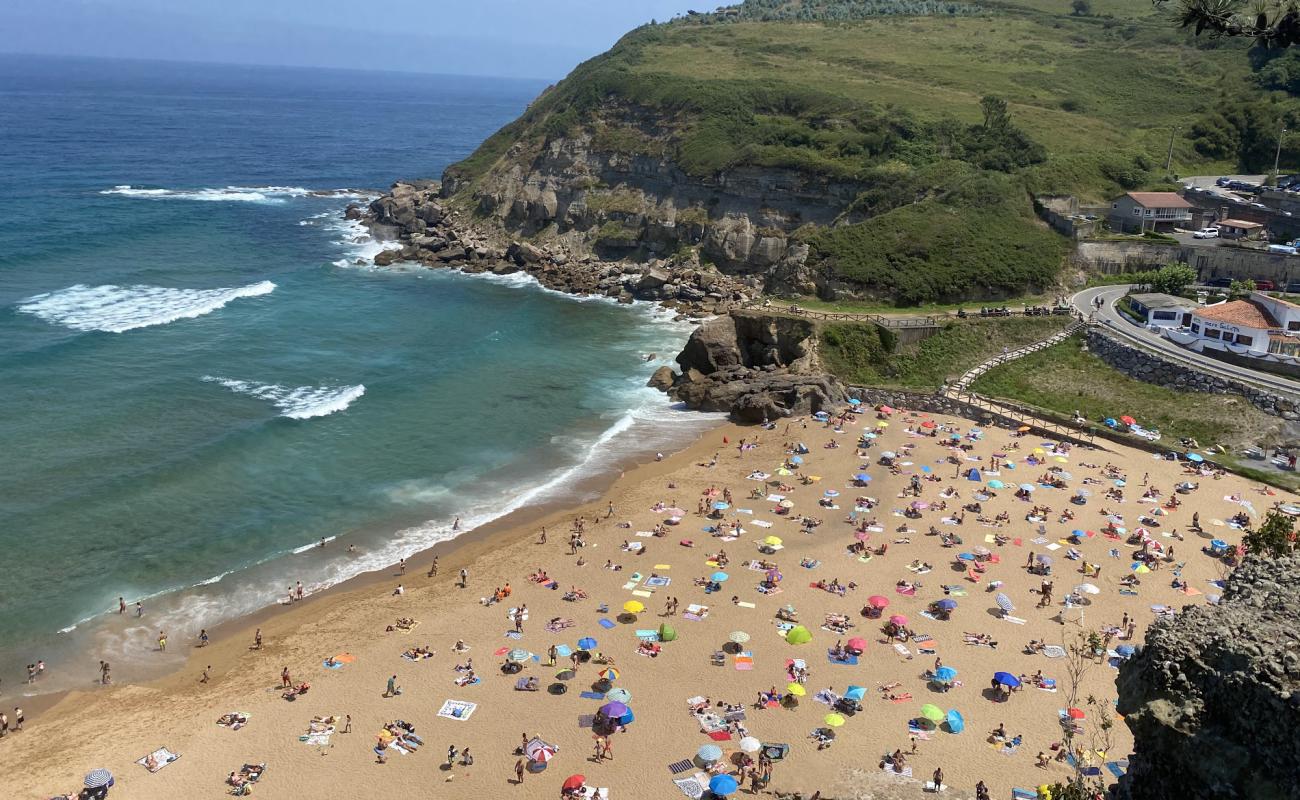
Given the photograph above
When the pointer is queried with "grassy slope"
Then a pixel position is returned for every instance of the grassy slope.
(858, 354)
(859, 100)
(1064, 378)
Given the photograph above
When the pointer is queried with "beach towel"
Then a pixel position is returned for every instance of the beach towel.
(744, 661)
(646, 633)
(1012, 620)
(605, 623)
(720, 736)
(762, 523)
(466, 681)
(906, 772)
(849, 660)
(631, 584)
(509, 635)
(656, 581)
(745, 604)
(1023, 794)
(905, 590)
(318, 738)
(457, 709)
(924, 643)
(663, 566)
(929, 616)
(678, 767)
(586, 720)
(641, 593)
(931, 786)
(902, 650)
(1117, 768)
(1054, 651)
(592, 696)
(162, 756)
(916, 731)
(693, 786)
(902, 698)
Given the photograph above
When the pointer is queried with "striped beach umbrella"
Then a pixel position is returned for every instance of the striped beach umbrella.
(97, 778)
(1004, 603)
(709, 753)
(519, 654)
(608, 674)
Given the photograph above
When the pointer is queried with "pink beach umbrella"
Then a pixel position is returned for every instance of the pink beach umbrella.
(898, 619)
(862, 536)
(857, 643)
(876, 601)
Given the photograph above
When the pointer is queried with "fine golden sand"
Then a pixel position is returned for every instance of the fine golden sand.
(115, 726)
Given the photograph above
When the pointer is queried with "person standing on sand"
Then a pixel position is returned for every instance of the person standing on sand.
(257, 639)
(18, 718)
(121, 605)
(205, 677)
(433, 568)
(451, 756)
(606, 748)
(464, 577)
(938, 778)
(519, 772)
(285, 680)
(139, 609)
(393, 689)
(162, 641)
(401, 566)
(347, 723)
(598, 749)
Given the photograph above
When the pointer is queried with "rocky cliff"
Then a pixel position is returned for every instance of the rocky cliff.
(1213, 699)
(755, 366)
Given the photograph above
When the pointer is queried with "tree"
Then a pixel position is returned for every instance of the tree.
(1273, 23)
(1173, 278)
(996, 115)
(1081, 8)
(1275, 536)
(1241, 288)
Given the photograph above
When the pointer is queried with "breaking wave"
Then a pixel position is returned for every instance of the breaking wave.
(302, 402)
(116, 309)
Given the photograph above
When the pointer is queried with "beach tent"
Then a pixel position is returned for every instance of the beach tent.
(667, 633)
(798, 635)
(974, 475)
(855, 693)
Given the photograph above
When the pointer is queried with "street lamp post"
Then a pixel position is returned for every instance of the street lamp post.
(1278, 155)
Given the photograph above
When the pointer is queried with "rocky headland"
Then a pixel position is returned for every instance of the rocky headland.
(1213, 698)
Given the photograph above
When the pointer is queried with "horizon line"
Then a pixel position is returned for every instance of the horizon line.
(259, 65)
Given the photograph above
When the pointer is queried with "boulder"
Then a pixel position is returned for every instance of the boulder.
(653, 279)
(662, 379)
(524, 253)
(456, 253)
(386, 257)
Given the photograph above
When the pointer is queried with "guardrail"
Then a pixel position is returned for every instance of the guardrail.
(1022, 414)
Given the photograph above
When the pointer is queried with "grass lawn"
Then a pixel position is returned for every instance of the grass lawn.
(864, 354)
(1064, 378)
(891, 309)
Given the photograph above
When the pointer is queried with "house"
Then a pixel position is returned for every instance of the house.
(1136, 212)
(1159, 310)
(1261, 329)
(1239, 229)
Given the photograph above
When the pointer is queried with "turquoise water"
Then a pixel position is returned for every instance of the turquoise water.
(197, 380)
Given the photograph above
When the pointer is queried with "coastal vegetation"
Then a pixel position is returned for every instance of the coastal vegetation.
(1065, 378)
(939, 119)
(870, 355)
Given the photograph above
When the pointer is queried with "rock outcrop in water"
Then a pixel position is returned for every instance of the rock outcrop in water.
(1213, 699)
(755, 366)
(414, 215)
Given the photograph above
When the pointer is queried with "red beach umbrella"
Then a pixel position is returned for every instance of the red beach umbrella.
(1074, 713)
(858, 643)
(574, 782)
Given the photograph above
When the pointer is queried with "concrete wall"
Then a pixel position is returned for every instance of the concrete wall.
(1215, 261)
(1151, 368)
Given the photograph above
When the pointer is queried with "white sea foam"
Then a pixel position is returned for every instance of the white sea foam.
(235, 194)
(115, 309)
(355, 239)
(302, 402)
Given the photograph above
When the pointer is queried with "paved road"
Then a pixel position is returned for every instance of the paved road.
(1117, 323)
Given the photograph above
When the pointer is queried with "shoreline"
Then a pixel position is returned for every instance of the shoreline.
(461, 551)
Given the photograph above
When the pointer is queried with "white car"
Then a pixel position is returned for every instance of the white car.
(1206, 233)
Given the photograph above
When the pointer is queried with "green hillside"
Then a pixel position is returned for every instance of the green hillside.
(890, 93)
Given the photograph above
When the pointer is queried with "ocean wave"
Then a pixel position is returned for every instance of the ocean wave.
(355, 239)
(116, 309)
(236, 194)
(302, 402)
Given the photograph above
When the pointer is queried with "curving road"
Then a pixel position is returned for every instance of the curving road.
(1116, 323)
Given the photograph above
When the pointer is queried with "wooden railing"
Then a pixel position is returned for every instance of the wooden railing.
(967, 379)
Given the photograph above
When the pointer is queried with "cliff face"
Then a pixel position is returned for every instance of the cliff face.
(1213, 699)
(607, 188)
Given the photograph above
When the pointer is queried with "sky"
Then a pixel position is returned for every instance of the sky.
(510, 38)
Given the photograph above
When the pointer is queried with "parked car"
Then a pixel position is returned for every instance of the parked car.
(1223, 181)
(1293, 287)
(1264, 286)
(1219, 283)
(1206, 233)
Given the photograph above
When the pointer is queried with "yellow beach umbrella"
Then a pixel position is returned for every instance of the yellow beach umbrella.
(833, 720)
(882, 424)
(1038, 451)
(772, 541)
(784, 471)
(1061, 460)
(796, 689)
(634, 606)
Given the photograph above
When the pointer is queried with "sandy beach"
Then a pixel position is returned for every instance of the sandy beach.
(905, 516)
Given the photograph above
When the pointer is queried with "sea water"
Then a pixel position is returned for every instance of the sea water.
(201, 375)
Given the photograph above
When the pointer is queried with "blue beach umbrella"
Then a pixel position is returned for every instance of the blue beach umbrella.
(966, 556)
(947, 604)
(1004, 603)
(945, 674)
(720, 576)
(1126, 650)
(586, 643)
(853, 401)
(973, 475)
(925, 469)
(955, 722)
(626, 719)
(1027, 487)
(722, 785)
(720, 506)
(862, 477)
(996, 484)
(855, 692)
(1006, 679)
(709, 753)
(796, 459)
(1195, 457)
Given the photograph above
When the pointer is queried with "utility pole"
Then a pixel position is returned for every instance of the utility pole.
(1169, 159)
(1278, 155)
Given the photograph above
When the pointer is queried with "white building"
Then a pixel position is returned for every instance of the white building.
(1260, 327)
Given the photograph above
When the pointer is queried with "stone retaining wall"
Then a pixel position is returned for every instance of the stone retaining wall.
(1151, 368)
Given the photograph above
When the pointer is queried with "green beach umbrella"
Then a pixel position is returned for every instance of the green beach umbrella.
(932, 712)
(798, 635)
